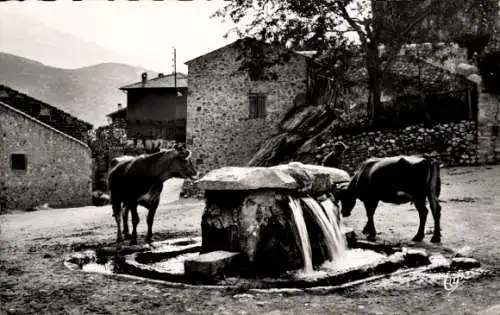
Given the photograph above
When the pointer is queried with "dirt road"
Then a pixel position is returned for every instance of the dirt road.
(33, 279)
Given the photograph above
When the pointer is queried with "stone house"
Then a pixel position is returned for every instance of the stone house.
(156, 108)
(232, 108)
(40, 164)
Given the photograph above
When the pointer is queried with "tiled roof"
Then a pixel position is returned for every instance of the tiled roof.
(117, 112)
(59, 119)
(166, 81)
(306, 54)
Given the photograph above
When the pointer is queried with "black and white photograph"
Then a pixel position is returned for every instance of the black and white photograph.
(264, 157)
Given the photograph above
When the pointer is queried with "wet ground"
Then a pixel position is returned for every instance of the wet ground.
(33, 279)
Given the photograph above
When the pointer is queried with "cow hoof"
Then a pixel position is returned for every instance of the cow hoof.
(133, 242)
(149, 240)
(417, 238)
(365, 231)
(371, 238)
(119, 239)
(126, 236)
(436, 239)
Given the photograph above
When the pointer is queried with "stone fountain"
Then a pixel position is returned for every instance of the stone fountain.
(271, 227)
(258, 213)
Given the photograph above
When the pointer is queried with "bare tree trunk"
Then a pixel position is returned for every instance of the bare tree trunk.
(374, 81)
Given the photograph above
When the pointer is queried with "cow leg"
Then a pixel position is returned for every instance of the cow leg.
(422, 213)
(135, 222)
(126, 233)
(151, 216)
(117, 213)
(369, 228)
(436, 214)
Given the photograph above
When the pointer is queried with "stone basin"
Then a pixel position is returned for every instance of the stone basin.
(165, 261)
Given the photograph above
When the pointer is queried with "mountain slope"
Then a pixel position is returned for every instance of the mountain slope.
(89, 93)
(29, 38)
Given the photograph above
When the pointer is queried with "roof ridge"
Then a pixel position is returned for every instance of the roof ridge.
(42, 102)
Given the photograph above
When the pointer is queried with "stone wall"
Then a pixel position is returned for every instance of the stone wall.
(58, 168)
(219, 130)
(488, 128)
(456, 144)
(488, 117)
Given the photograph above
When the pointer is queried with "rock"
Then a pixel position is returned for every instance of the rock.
(466, 69)
(416, 257)
(243, 296)
(464, 263)
(292, 176)
(439, 262)
(246, 178)
(257, 225)
(210, 267)
(464, 251)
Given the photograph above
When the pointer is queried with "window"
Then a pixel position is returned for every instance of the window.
(495, 130)
(18, 161)
(257, 104)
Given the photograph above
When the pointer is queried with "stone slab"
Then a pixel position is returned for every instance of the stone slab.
(211, 266)
(292, 176)
(246, 178)
(464, 263)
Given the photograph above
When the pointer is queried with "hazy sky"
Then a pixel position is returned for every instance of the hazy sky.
(143, 31)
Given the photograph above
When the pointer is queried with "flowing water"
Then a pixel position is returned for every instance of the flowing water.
(333, 214)
(300, 224)
(329, 208)
(334, 239)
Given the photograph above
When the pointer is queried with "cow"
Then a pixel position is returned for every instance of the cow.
(334, 158)
(397, 180)
(139, 180)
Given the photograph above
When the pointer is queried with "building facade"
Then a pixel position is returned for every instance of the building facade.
(229, 112)
(156, 108)
(40, 164)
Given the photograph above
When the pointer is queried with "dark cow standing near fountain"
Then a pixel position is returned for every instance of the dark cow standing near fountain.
(139, 181)
(396, 180)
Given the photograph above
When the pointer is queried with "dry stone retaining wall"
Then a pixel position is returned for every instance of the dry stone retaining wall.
(455, 143)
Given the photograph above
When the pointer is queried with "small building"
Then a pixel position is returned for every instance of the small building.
(40, 164)
(118, 118)
(232, 107)
(156, 108)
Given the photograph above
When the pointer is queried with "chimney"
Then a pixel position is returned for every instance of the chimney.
(144, 77)
(160, 75)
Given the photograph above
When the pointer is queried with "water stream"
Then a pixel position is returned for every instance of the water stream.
(333, 240)
(300, 224)
(333, 214)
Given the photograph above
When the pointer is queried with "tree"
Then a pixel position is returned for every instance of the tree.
(336, 25)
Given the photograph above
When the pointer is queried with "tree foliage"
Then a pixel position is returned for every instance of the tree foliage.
(335, 28)
(105, 138)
